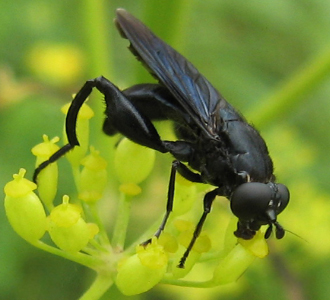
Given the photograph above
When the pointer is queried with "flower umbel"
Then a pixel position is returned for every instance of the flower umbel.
(78, 231)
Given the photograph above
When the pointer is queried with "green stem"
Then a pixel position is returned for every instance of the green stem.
(187, 283)
(76, 175)
(293, 91)
(80, 258)
(122, 220)
(97, 28)
(97, 19)
(103, 234)
(100, 285)
(177, 13)
(98, 247)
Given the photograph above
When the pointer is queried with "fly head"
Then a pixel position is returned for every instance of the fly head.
(256, 204)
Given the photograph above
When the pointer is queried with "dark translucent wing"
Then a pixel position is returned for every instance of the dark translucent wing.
(194, 92)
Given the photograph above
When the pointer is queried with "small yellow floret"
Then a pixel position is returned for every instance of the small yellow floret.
(20, 186)
(66, 214)
(45, 149)
(130, 189)
(257, 246)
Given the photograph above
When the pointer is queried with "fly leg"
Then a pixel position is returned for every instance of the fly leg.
(177, 166)
(208, 200)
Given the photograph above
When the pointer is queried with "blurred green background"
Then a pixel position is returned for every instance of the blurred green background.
(270, 59)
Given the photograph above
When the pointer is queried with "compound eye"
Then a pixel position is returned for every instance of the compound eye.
(250, 200)
(284, 197)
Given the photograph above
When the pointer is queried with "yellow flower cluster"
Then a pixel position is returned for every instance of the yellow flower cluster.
(27, 216)
(79, 234)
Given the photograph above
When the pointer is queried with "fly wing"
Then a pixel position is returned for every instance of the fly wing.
(193, 91)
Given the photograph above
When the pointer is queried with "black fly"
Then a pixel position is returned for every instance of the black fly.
(213, 138)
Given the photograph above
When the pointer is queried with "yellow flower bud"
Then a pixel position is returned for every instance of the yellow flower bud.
(93, 177)
(82, 129)
(44, 150)
(133, 163)
(169, 242)
(142, 271)
(183, 225)
(202, 244)
(153, 255)
(257, 246)
(66, 214)
(24, 209)
(68, 229)
(233, 265)
(130, 189)
(48, 177)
